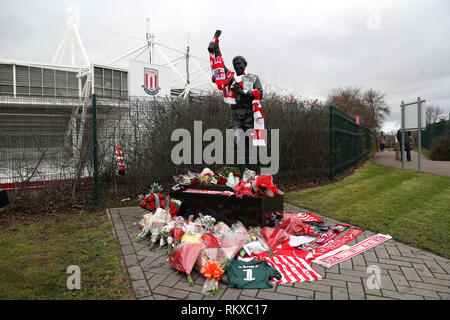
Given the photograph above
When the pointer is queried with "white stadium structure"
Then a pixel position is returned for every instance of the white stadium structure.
(44, 106)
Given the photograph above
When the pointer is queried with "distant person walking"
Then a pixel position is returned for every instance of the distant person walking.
(382, 141)
(400, 144)
(408, 143)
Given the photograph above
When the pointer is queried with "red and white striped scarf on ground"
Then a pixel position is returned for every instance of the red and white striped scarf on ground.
(334, 244)
(293, 269)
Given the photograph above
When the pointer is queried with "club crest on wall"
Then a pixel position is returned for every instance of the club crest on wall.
(151, 81)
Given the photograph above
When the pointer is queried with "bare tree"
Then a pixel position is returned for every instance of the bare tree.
(374, 101)
(369, 105)
(432, 113)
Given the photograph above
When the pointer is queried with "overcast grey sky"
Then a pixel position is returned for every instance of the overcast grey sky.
(401, 48)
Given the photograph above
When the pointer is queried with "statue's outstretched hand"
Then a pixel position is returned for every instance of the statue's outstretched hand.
(214, 47)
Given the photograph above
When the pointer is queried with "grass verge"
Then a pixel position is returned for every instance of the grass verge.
(412, 207)
(35, 256)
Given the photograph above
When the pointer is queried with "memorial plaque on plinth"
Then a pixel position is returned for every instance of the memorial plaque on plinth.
(220, 202)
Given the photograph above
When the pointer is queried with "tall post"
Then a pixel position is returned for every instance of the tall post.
(402, 143)
(331, 144)
(94, 147)
(187, 60)
(419, 130)
(187, 86)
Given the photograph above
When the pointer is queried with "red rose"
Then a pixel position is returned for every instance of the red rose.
(221, 181)
(194, 182)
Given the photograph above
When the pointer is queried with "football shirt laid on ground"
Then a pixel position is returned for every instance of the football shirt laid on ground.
(250, 275)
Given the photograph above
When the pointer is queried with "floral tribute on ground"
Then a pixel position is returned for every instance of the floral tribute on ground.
(254, 257)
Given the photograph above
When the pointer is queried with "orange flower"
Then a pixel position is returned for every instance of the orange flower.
(212, 269)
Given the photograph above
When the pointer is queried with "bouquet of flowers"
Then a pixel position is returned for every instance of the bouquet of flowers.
(264, 187)
(174, 207)
(207, 176)
(221, 228)
(243, 188)
(232, 180)
(294, 226)
(274, 236)
(152, 201)
(175, 234)
(165, 234)
(148, 220)
(249, 175)
(229, 245)
(144, 220)
(187, 251)
(207, 173)
(160, 219)
(207, 222)
(220, 178)
(255, 242)
(208, 265)
(212, 270)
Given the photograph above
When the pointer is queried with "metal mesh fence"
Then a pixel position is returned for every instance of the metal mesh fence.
(43, 140)
(433, 130)
(349, 142)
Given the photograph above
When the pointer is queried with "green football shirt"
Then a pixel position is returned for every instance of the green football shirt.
(250, 275)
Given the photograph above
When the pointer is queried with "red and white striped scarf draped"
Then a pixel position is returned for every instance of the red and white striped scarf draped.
(224, 80)
(293, 269)
(119, 156)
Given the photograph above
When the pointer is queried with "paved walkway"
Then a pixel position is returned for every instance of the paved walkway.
(387, 158)
(407, 273)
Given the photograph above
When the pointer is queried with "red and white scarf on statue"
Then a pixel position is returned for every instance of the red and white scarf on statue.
(224, 80)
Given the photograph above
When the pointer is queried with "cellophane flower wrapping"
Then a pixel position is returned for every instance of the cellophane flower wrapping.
(264, 186)
(274, 236)
(243, 188)
(210, 287)
(229, 245)
(174, 207)
(144, 220)
(184, 257)
(146, 230)
(165, 234)
(232, 180)
(207, 262)
(221, 228)
(206, 172)
(209, 251)
(160, 219)
(212, 270)
(187, 249)
(294, 226)
(256, 235)
(248, 175)
(207, 222)
(176, 233)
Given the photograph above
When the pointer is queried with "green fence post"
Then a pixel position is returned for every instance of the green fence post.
(94, 147)
(331, 144)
